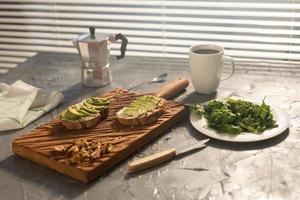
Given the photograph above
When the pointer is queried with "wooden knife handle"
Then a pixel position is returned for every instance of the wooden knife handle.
(151, 161)
(172, 88)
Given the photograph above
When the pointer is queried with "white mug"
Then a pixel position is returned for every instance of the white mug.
(206, 67)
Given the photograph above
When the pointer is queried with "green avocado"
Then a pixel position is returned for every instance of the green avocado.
(102, 101)
(74, 111)
(84, 112)
(96, 101)
(142, 105)
(150, 100)
(133, 111)
(88, 107)
(98, 108)
(138, 106)
(66, 115)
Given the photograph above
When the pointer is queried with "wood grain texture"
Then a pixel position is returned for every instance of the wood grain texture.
(38, 145)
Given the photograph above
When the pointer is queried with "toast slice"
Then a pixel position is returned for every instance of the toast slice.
(86, 114)
(142, 111)
(87, 122)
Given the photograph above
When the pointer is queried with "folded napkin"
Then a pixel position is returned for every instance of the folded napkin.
(21, 103)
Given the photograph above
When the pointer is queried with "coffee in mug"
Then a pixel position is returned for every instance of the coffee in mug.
(206, 51)
(206, 64)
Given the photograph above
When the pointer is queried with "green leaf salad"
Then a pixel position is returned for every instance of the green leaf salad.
(235, 116)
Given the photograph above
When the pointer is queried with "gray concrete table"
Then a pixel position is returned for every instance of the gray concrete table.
(260, 170)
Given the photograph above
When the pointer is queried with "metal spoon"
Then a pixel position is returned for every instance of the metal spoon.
(158, 79)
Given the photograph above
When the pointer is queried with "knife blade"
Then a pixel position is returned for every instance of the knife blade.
(192, 147)
(163, 156)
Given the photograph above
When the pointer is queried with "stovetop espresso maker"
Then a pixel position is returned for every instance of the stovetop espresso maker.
(94, 50)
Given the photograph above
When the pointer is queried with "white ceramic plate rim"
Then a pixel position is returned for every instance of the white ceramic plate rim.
(280, 116)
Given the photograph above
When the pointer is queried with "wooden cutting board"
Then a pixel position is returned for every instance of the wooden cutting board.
(38, 145)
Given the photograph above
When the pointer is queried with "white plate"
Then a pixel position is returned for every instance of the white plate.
(279, 115)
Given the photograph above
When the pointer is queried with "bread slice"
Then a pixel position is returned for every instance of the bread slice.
(83, 123)
(81, 116)
(146, 116)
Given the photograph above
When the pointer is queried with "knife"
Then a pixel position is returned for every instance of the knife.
(163, 156)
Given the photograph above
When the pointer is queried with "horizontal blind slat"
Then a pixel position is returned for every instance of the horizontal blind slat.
(168, 35)
(171, 3)
(167, 50)
(142, 11)
(157, 42)
(61, 29)
(235, 54)
(148, 25)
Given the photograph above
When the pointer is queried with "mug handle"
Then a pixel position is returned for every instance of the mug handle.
(231, 60)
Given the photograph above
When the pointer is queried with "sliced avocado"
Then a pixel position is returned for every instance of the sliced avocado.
(66, 115)
(90, 109)
(63, 114)
(149, 97)
(145, 105)
(86, 103)
(98, 101)
(142, 105)
(98, 108)
(95, 107)
(85, 112)
(152, 99)
(74, 111)
(137, 105)
(104, 101)
(132, 111)
(141, 110)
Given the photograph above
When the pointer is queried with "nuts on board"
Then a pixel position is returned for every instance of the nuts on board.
(81, 150)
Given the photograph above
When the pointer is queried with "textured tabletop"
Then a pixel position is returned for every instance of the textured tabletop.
(260, 170)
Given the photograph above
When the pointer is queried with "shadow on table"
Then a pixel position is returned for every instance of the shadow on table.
(31, 174)
(199, 98)
(213, 143)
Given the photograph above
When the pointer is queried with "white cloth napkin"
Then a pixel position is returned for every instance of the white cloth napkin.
(21, 103)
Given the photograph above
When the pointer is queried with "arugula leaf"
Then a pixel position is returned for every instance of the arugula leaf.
(235, 116)
(196, 108)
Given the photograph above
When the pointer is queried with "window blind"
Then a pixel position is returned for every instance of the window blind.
(249, 30)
